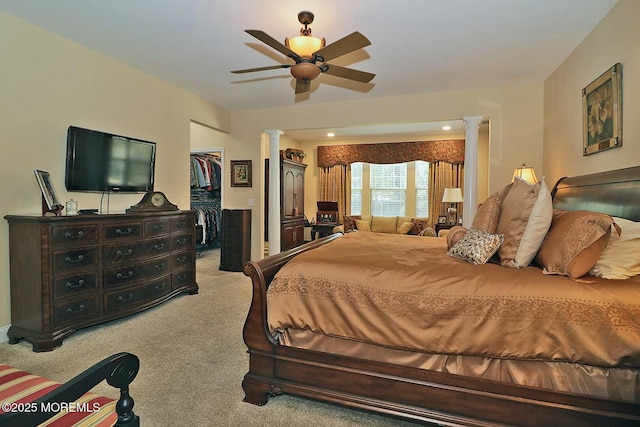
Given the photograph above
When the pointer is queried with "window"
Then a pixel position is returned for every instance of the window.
(388, 185)
(399, 189)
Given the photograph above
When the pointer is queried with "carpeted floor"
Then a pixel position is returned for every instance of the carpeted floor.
(192, 361)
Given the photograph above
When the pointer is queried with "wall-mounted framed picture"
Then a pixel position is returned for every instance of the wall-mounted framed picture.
(241, 173)
(442, 219)
(602, 112)
(50, 201)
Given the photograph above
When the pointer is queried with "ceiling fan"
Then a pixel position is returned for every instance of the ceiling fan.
(308, 52)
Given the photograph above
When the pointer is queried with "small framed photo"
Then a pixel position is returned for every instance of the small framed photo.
(241, 173)
(442, 219)
(602, 112)
(48, 192)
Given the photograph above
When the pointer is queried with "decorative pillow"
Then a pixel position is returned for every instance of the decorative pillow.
(404, 228)
(476, 246)
(384, 224)
(362, 225)
(349, 222)
(428, 232)
(574, 242)
(455, 234)
(620, 259)
(488, 214)
(419, 224)
(525, 218)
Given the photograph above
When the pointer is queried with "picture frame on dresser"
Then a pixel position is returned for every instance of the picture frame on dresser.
(602, 112)
(50, 201)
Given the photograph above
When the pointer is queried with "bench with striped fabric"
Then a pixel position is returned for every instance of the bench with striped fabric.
(30, 400)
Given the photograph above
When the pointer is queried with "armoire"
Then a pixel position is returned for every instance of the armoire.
(292, 218)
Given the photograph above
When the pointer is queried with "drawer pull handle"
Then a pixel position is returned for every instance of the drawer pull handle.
(159, 267)
(77, 310)
(159, 287)
(125, 276)
(70, 260)
(78, 235)
(181, 259)
(180, 224)
(124, 232)
(159, 246)
(123, 298)
(124, 253)
(181, 241)
(158, 227)
(70, 285)
(183, 277)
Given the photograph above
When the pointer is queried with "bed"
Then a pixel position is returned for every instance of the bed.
(477, 357)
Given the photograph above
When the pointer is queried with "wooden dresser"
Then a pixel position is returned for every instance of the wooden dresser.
(70, 272)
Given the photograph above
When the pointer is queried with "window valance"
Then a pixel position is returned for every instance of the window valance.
(451, 151)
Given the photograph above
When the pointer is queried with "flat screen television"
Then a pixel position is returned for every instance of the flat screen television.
(99, 161)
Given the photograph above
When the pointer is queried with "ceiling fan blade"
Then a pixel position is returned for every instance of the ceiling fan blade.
(347, 44)
(303, 85)
(267, 39)
(251, 70)
(347, 73)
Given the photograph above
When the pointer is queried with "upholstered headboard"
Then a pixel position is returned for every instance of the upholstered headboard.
(616, 193)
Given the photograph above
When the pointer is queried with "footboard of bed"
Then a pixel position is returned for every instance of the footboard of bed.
(403, 391)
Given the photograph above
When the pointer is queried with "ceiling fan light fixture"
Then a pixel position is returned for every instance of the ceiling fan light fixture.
(305, 70)
(305, 46)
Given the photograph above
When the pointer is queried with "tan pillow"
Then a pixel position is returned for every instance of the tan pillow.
(362, 225)
(384, 224)
(488, 214)
(620, 259)
(574, 242)
(404, 228)
(456, 233)
(525, 218)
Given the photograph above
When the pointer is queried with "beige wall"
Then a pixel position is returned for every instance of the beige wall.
(49, 83)
(615, 39)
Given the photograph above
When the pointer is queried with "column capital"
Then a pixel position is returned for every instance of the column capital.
(274, 133)
(472, 121)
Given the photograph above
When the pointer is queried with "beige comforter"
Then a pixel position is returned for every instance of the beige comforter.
(404, 292)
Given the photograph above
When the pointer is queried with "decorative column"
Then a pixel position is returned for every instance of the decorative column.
(472, 126)
(274, 191)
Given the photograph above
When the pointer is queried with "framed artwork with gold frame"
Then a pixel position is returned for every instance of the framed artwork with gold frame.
(241, 173)
(602, 112)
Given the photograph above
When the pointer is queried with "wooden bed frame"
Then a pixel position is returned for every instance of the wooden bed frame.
(424, 395)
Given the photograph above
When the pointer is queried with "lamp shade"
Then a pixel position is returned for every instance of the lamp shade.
(452, 195)
(526, 173)
(305, 46)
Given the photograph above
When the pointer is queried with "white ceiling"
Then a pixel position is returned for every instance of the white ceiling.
(418, 46)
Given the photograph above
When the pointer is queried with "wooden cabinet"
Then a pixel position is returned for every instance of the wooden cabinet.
(291, 204)
(235, 247)
(72, 272)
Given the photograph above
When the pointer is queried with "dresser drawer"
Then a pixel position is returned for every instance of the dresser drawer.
(183, 241)
(185, 223)
(122, 230)
(183, 278)
(75, 235)
(182, 260)
(85, 308)
(124, 275)
(124, 298)
(74, 285)
(76, 259)
(154, 228)
(113, 254)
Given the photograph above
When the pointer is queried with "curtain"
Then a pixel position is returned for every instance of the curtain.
(334, 187)
(442, 175)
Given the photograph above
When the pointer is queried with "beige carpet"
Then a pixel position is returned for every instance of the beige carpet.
(192, 361)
